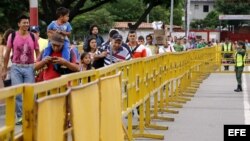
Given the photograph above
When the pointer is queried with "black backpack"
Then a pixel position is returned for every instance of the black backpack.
(13, 35)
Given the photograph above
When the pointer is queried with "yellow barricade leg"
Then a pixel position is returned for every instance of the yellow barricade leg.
(172, 97)
(155, 115)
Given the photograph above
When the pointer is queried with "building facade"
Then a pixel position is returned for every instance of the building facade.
(200, 8)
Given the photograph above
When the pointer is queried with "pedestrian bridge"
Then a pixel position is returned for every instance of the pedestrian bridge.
(99, 104)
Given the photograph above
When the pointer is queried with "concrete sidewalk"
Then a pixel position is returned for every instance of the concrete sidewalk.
(214, 105)
(203, 118)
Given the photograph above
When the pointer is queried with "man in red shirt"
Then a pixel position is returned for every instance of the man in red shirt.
(54, 64)
(136, 49)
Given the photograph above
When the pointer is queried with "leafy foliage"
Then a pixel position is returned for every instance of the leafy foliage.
(211, 21)
(121, 10)
(9, 11)
(126, 10)
(159, 13)
(233, 7)
(178, 14)
(81, 23)
(151, 5)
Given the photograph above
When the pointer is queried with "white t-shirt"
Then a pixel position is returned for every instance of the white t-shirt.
(162, 49)
(148, 50)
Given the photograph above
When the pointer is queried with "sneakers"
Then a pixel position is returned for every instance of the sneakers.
(19, 121)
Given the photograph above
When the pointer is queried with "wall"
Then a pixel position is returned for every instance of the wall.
(235, 36)
(198, 13)
(206, 34)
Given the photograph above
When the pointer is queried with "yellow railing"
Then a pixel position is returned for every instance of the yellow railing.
(169, 79)
(222, 61)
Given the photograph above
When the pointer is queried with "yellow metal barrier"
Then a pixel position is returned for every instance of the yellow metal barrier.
(85, 110)
(51, 111)
(9, 94)
(169, 79)
(222, 60)
(76, 79)
(111, 118)
(33, 92)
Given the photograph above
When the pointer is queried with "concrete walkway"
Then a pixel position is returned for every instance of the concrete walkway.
(214, 105)
(203, 118)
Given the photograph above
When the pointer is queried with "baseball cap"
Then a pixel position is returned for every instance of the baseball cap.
(117, 37)
(34, 29)
(57, 39)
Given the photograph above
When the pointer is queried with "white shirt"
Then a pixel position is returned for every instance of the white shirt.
(148, 50)
(162, 49)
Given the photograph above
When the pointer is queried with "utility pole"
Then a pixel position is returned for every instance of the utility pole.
(171, 17)
(188, 17)
(33, 12)
(148, 14)
(187, 20)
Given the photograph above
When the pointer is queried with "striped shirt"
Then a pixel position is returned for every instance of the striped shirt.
(122, 54)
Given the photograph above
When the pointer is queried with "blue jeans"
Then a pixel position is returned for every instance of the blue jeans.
(20, 75)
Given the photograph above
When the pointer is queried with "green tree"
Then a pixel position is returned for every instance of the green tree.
(178, 14)
(47, 9)
(100, 17)
(159, 13)
(76, 7)
(131, 10)
(151, 5)
(9, 11)
(126, 10)
(233, 7)
(196, 24)
(211, 21)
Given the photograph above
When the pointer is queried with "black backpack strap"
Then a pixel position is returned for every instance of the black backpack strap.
(132, 52)
(13, 35)
(32, 36)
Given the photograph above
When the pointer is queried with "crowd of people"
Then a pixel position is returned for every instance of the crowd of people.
(28, 58)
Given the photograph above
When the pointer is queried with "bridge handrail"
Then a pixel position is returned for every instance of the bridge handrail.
(141, 79)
